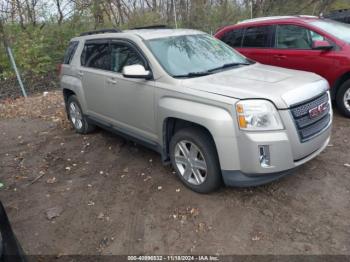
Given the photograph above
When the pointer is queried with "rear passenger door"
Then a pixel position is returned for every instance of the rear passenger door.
(95, 65)
(257, 43)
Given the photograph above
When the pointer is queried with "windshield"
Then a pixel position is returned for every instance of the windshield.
(194, 55)
(337, 29)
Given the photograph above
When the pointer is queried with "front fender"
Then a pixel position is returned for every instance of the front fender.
(217, 120)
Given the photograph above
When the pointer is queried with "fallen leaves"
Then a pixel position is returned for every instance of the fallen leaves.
(185, 214)
(51, 180)
(257, 236)
(147, 178)
(48, 107)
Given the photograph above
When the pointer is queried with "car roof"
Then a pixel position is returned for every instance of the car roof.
(146, 34)
(161, 33)
(299, 18)
(270, 20)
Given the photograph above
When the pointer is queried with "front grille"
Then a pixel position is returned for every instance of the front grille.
(309, 118)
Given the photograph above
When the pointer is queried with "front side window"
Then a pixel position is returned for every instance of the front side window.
(194, 55)
(258, 37)
(233, 38)
(295, 37)
(96, 55)
(124, 55)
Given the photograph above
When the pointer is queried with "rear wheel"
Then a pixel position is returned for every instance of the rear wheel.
(194, 157)
(77, 117)
(343, 99)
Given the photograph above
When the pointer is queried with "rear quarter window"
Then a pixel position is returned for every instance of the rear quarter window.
(68, 56)
(258, 37)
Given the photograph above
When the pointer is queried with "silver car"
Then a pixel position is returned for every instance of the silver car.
(215, 115)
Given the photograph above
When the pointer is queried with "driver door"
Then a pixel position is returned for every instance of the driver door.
(293, 49)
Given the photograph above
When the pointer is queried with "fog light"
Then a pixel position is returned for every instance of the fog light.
(264, 156)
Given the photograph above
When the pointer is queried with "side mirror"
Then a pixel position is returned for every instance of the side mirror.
(321, 45)
(136, 71)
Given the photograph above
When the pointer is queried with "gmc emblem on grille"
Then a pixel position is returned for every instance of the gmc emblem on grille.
(316, 111)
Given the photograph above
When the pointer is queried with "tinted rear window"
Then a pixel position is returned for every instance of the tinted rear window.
(233, 38)
(257, 37)
(68, 56)
(96, 55)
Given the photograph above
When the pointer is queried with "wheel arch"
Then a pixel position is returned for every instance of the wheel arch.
(341, 80)
(73, 85)
(217, 121)
(173, 124)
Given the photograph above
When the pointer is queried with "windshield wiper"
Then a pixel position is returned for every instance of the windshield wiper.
(210, 71)
(228, 65)
(194, 74)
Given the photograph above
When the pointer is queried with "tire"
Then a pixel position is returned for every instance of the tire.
(82, 127)
(343, 92)
(199, 180)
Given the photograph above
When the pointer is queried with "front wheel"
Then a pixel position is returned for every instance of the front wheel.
(194, 158)
(343, 99)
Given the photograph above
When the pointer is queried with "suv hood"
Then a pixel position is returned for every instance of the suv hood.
(284, 87)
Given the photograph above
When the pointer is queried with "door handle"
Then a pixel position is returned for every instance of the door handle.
(112, 81)
(280, 57)
(80, 73)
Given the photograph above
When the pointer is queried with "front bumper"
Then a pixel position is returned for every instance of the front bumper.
(284, 157)
(239, 179)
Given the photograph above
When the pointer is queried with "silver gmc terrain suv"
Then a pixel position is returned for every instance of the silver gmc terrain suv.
(211, 112)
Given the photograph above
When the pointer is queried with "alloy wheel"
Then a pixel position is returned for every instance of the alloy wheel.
(190, 162)
(75, 115)
(347, 99)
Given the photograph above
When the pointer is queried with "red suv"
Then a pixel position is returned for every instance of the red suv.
(304, 43)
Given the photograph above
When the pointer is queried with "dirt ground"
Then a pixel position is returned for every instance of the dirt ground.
(99, 194)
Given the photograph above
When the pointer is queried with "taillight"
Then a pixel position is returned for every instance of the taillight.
(59, 70)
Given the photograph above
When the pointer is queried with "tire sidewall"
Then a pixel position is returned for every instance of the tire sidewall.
(213, 179)
(340, 99)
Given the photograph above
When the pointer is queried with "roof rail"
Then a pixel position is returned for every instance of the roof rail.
(152, 27)
(101, 31)
(307, 16)
(259, 19)
(268, 18)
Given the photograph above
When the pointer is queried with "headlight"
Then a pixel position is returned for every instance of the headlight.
(258, 115)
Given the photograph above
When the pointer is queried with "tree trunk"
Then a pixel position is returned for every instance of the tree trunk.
(20, 14)
(60, 13)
